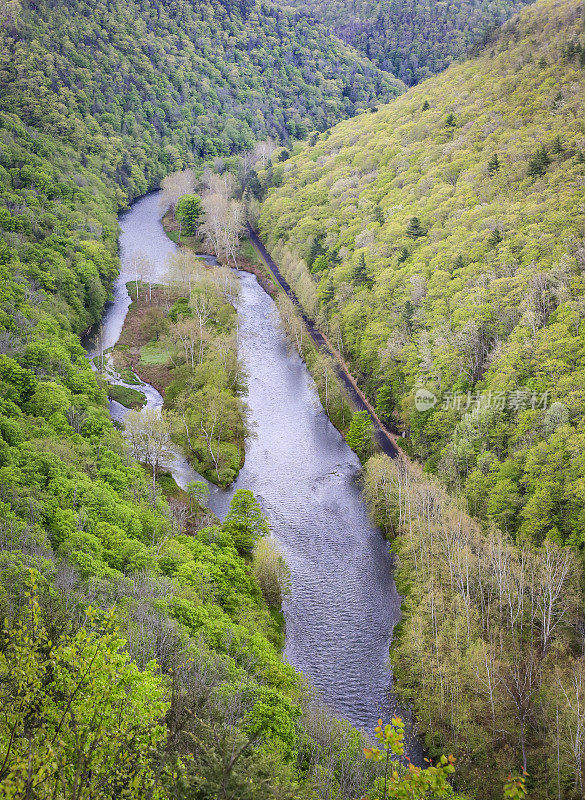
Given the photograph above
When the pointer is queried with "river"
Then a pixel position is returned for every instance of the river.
(343, 603)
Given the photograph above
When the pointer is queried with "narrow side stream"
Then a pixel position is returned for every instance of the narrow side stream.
(344, 604)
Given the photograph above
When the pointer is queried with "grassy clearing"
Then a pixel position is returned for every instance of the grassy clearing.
(154, 353)
(130, 398)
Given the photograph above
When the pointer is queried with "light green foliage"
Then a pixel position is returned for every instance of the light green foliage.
(487, 300)
(385, 403)
(198, 491)
(271, 572)
(245, 520)
(78, 718)
(144, 93)
(486, 650)
(413, 782)
(131, 398)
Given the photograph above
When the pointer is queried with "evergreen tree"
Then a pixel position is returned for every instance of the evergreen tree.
(557, 146)
(315, 251)
(407, 315)
(539, 162)
(494, 165)
(403, 255)
(425, 106)
(359, 274)
(451, 120)
(495, 237)
(415, 229)
(459, 263)
(320, 264)
(328, 291)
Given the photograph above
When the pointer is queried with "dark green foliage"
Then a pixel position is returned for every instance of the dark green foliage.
(359, 273)
(494, 165)
(450, 120)
(320, 264)
(315, 250)
(425, 106)
(328, 292)
(407, 315)
(557, 146)
(495, 237)
(539, 162)
(415, 228)
(403, 255)
(147, 91)
(412, 38)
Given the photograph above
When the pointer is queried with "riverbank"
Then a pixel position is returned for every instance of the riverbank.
(385, 439)
(343, 603)
(183, 344)
(323, 360)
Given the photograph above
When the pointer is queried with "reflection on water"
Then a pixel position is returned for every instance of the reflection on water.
(344, 603)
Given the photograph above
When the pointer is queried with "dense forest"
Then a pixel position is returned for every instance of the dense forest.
(449, 227)
(412, 39)
(440, 244)
(439, 241)
(140, 640)
(140, 88)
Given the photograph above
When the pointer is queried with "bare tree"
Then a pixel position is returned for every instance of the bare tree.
(149, 434)
(185, 270)
(263, 152)
(174, 186)
(223, 225)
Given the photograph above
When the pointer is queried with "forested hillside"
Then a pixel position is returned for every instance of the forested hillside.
(140, 87)
(412, 39)
(139, 654)
(439, 241)
(442, 240)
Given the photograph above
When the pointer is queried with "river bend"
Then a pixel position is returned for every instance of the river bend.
(343, 604)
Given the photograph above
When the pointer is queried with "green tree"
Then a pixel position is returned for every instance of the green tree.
(385, 403)
(412, 783)
(403, 255)
(188, 212)
(495, 237)
(539, 162)
(360, 436)
(557, 146)
(415, 228)
(359, 273)
(198, 491)
(494, 165)
(79, 719)
(245, 521)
